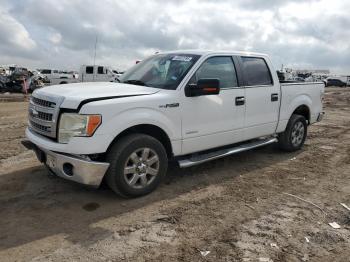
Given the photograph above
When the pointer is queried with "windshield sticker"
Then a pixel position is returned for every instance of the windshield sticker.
(182, 58)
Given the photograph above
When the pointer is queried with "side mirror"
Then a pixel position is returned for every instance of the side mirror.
(204, 87)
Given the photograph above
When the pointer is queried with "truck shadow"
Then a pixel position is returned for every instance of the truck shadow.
(34, 205)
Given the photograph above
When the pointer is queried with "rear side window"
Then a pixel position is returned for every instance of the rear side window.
(89, 69)
(46, 71)
(100, 70)
(220, 67)
(256, 71)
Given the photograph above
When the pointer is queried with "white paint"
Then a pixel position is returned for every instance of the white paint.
(198, 123)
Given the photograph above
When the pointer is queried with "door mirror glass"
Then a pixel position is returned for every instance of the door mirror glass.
(204, 87)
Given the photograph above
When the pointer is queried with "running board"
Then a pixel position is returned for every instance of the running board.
(199, 159)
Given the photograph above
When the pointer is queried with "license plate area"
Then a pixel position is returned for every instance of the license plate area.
(50, 161)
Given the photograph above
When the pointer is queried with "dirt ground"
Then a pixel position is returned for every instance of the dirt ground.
(238, 208)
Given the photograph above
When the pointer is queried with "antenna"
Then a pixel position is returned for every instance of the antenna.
(94, 58)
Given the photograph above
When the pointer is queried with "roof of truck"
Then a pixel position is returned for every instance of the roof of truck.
(209, 52)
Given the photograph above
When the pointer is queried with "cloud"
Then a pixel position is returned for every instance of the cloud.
(55, 38)
(310, 33)
(14, 34)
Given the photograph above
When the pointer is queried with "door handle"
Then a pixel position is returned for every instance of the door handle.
(240, 100)
(274, 97)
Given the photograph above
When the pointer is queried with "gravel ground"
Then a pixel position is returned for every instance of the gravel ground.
(241, 208)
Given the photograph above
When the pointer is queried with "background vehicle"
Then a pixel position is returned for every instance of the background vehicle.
(335, 82)
(97, 73)
(87, 73)
(49, 73)
(55, 77)
(189, 106)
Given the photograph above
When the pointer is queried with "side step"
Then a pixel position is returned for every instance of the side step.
(199, 159)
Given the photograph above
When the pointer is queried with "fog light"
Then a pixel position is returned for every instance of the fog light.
(68, 169)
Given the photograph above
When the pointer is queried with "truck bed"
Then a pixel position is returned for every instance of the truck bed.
(295, 93)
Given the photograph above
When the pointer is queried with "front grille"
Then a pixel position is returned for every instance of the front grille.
(43, 114)
(39, 127)
(44, 103)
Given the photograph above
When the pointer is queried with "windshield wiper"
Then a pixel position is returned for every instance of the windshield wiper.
(135, 82)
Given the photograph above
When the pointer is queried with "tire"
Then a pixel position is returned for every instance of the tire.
(143, 171)
(293, 138)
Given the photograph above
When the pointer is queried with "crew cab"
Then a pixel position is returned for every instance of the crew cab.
(190, 106)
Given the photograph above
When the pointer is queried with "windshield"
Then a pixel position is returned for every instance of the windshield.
(164, 71)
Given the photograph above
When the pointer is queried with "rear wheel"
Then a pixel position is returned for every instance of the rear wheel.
(137, 165)
(294, 136)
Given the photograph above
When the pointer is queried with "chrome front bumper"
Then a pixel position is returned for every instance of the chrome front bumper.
(71, 167)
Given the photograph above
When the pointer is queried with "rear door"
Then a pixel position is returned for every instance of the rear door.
(262, 96)
(213, 120)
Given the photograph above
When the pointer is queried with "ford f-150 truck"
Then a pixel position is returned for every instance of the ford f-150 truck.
(190, 106)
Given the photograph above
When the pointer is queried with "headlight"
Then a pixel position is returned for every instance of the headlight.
(72, 125)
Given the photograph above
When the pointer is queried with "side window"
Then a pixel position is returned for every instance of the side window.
(219, 67)
(256, 71)
(89, 69)
(100, 70)
(46, 71)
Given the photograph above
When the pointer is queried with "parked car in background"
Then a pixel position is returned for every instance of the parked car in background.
(56, 77)
(49, 73)
(335, 82)
(97, 73)
(87, 73)
(298, 79)
(190, 106)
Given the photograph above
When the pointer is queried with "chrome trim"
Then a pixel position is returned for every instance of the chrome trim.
(85, 171)
(41, 122)
(37, 106)
(224, 152)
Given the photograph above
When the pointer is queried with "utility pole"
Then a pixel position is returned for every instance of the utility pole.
(94, 59)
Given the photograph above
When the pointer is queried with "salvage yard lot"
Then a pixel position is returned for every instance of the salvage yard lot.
(236, 208)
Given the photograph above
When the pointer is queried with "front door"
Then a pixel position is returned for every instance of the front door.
(213, 120)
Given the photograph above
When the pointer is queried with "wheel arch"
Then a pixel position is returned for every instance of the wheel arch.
(301, 106)
(147, 129)
(304, 111)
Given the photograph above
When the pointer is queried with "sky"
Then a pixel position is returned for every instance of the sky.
(310, 34)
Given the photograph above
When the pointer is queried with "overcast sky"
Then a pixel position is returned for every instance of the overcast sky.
(61, 33)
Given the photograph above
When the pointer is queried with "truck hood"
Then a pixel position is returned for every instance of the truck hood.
(73, 94)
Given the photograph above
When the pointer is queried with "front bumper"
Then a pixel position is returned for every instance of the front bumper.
(70, 167)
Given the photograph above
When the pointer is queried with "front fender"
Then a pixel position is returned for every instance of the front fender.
(141, 115)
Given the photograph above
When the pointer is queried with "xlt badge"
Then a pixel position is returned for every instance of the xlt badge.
(170, 105)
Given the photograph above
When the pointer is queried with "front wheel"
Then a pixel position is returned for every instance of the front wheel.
(294, 136)
(138, 163)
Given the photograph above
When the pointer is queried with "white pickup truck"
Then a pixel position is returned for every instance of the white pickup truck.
(87, 73)
(191, 106)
